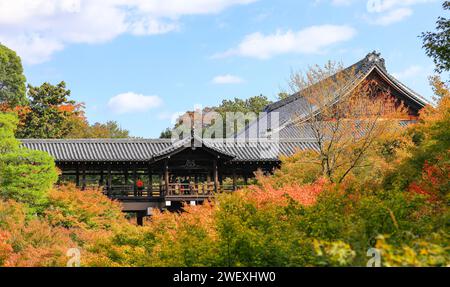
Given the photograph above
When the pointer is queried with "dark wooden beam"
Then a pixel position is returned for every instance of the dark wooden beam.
(83, 180)
(109, 184)
(166, 175)
(134, 180)
(150, 182)
(77, 176)
(215, 176)
(125, 173)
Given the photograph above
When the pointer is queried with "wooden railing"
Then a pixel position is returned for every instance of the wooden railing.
(130, 191)
(187, 190)
(174, 191)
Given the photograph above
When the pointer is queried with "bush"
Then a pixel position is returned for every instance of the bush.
(70, 207)
(26, 176)
(29, 240)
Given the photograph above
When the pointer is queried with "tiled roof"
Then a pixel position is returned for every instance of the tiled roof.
(305, 130)
(146, 150)
(294, 136)
(99, 149)
(295, 108)
(265, 150)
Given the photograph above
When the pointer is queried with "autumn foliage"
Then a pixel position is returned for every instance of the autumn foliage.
(396, 200)
(306, 195)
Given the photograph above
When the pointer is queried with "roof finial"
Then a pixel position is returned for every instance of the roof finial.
(375, 58)
(193, 138)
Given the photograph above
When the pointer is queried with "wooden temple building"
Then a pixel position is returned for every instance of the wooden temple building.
(171, 173)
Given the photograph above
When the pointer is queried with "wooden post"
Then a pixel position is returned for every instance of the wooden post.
(139, 219)
(101, 183)
(124, 191)
(83, 179)
(160, 182)
(245, 179)
(109, 180)
(215, 176)
(166, 175)
(125, 173)
(208, 181)
(134, 180)
(78, 176)
(150, 183)
(234, 181)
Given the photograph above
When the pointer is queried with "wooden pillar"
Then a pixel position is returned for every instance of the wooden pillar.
(83, 178)
(77, 176)
(234, 180)
(160, 182)
(134, 180)
(166, 175)
(109, 180)
(245, 178)
(150, 182)
(125, 173)
(208, 181)
(139, 219)
(102, 180)
(215, 176)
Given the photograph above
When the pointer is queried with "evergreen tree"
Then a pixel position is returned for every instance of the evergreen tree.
(437, 44)
(50, 113)
(12, 80)
(25, 175)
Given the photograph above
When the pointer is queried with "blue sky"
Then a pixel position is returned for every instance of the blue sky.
(139, 62)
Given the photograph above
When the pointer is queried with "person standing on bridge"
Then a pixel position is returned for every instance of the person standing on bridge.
(140, 186)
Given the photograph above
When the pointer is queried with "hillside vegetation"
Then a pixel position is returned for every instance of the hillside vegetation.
(397, 203)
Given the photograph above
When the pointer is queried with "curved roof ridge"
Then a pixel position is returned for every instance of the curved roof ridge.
(362, 66)
(408, 89)
(98, 140)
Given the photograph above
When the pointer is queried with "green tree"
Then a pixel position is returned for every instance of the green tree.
(437, 44)
(8, 123)
(254, 105)
(166, 134)
(427, 169)
(12, 80)
(25, 175)
(108, 130)
(50, 113)
(283, 95)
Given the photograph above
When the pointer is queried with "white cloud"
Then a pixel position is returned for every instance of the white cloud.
(170, 116)
(409, 73)
(336, 2)
(392, 17)
(38, 28)
(341, 2)
(227, 79)
(307, 41)
(176, 8)
(131, 102)
(379, 6)
(387, 12)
